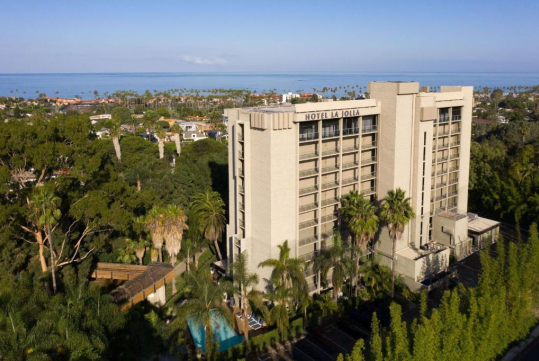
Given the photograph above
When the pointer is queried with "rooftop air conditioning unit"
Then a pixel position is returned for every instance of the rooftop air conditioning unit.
(472, 216)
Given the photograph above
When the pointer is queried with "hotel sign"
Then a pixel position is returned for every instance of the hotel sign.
(331, 114)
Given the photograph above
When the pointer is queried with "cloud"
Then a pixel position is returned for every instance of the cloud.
(202, 61)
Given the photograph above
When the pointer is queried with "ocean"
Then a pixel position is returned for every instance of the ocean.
(84, 84)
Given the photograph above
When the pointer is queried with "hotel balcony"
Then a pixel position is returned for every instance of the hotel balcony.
(309, 273)
(330, 168)
(240, 137)
(444, 118)
(308, 207)
(441, 196)
(329, 185)
(368, 191)
(441, 184)
(242, 207)
(454, 193)
(454, 169)
(442, 159)
(368, 145)
(350, 148)
(242, 223)
(441, 171)
(350, 131)
(307, 240)
(308, 172)
(441, 133)
(370, 160)
(240, 154)
(330, 133)
(454, 156)
(241, 189)
(327, 235)
(369, 129)
(331, 151)
(443, 146)
(241, 172)
(349, 180)
(455, 144)
(307, 257)
(455, 131)
(308, 224)
(306, 137)
(307, 190)
(455, 118)
(308, 155)
(453, 181)
(329, 218)
(327, 202)
(368, 176)
(312, 287)
(350, 165)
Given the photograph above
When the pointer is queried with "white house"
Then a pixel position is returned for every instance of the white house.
(187, 126)
(193, 135)
(286, 98)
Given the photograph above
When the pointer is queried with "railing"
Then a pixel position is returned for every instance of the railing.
(330, 185)
(455, 117)
(242, 189)
(307, 240)
(367, 145)
(441, 159)
(242, 223)
(307, 136)
(308, 256)
(328, 234)
(241, 172)
(242, 206)
(432, 174)
(441, 171)
(350, 164)
(451, 206)
(350, 131)
(240, 154)
(369, 129)
(349, 180)
(454, 193)
(240, 137)
(444, 118)
(368, 175)
(329, 201)
(454, 144)
(456, 130)
(331, 168)
(308, 273)
(441, 196)
(368, 160)
(312, 287)
(328, 218)
(455, 156)
(306, 190)
(330, 133)
(330, 151)
(432, 185)
(308, 172)
(441, 133)
(453, 169)
(308, 207)
(453, 181)
(308, 155)
(443, 146)
(441, 184)
(307, 224)
(368, 191)
(350, 148)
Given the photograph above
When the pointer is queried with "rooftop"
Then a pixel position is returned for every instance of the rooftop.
(480, 225)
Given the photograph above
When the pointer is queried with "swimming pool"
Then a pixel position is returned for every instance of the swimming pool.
(222, 332)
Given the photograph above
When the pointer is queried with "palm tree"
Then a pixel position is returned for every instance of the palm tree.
(205, 303)
(396, 212)
(208, 210)
(155, 223)
(161, 134)
(286, 270)
(46, 205)
(360, 215)
(174, 224)
(115, 132)
(176, 129)
(140, 248)
(279, 314)
(244, 280)
(338, 258)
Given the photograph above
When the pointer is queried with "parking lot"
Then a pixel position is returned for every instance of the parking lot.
(324, 345)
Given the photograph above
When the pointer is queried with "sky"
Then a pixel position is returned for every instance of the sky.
(53, 36)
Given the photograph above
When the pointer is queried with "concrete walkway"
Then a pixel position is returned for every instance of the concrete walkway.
(515, 351)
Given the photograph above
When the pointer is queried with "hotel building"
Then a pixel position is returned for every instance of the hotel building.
(289, 165)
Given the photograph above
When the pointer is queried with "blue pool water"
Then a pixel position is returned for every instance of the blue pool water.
(223, 334)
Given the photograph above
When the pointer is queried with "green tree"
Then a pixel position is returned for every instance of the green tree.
(376, 351)
(209, 211)
(286, 271)
(155, 222)
(396, 212)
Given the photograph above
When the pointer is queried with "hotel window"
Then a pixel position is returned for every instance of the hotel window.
(456, 113)
(308, 131)
(330, 128)
(350, 126)
(444, 115)
(369, 123)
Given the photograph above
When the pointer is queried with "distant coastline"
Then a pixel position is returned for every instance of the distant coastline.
(83, 85)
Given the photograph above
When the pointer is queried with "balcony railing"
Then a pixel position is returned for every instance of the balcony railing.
(441, 133)
(307, 224)
(350, 165)
(453, 181)
(444, 118)
(240, 154)
(369, 129)
(456, 130)
(454, 156)
(330, 133)
(242, 189)
(349, 180)
(454, 193)
(307, 240)
(454, 169)
(307, 190)
(441, 171)
(241, 172)
(350, 148)
(330, 168)
(350, 131)
(455, 118)
(441, 184)
(307, 155)
(368, 145)
(330, 185)
(368, 176)
(327, 202)
(242, 223)
(307, 137)
(441, 159)
(329, 218)
(308, 172)
(312, 287)
(242, 206)
(368, 160)
(451, 206)
(441, 196)
(368, 191)
(240, 137)
(454, 144)
(443, 146)
(331, 151)
(307, 257)
(308, 273)
(308, 207)
(327, 234)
